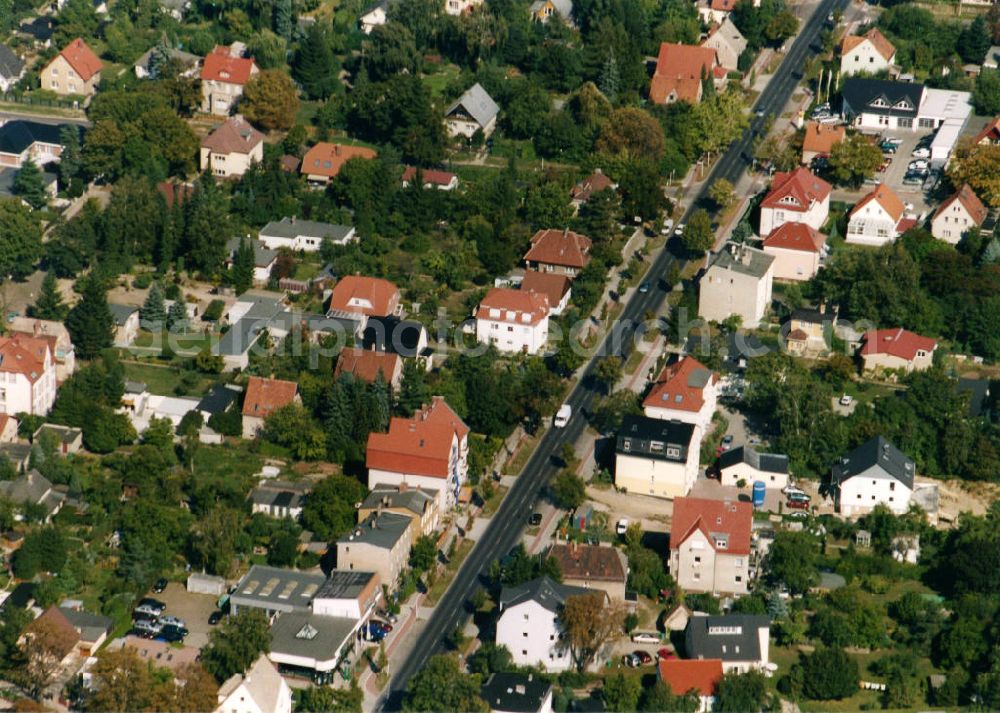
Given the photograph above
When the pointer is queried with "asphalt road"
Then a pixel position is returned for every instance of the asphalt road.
(504, 530)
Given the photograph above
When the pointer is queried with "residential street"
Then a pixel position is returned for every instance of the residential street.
(506, 526)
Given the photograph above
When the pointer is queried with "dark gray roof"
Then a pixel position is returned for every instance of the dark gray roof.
(219, 398)
(311, 636)
(547, 592)
(876, 452)
(121, 313)
(41, 28)
(767, 462)
(11, 65)
(66, 434)
(813, 316)
(22, 595)
(477, 104)
(90, 626)
(382, 530)
(861, 95)
(262, 255)
(293, 227)
(979, 394)
(733, 637)
(654, 438)
(17, 453)
(746, 261)
(413, 499)
(515, 692)
(8, 175)
(394, 335)
(19, 134)
(281, 494)
(285, 590)
(344, 584)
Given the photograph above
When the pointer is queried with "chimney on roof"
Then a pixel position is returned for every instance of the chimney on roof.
(336, 149)
(36, 328)
(521, 690)
(822, 306)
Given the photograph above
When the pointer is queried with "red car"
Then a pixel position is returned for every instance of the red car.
(798, 504)
(665, 654)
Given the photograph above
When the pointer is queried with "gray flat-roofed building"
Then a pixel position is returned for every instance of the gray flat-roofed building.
(309, 641)
(276, 590)
(305, 235)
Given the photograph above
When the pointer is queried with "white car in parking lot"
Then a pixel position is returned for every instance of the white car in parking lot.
(173, 621)
(922, 152)
(918, 165)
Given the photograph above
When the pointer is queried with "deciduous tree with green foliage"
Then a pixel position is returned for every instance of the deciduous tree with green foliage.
(329, 511)
(442, 686)
(236, 644)
(568, 489)
(854, 159)
(791, 560)
(621, 693)
(270, 100)
(698, 235)
(741, 693)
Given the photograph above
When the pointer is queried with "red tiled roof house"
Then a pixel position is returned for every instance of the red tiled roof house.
(699, 675)
(795, 197)
(263, 397)
(232, 148)
(710, 545)
(367, 364)
(960, 213)
(513, 320)
(870, 53)
(594, 183)
(819, 140)
(680, 70)
(797, 249)
(361, 295)
(878, 218)
(554, 286)
(430, 450)
(75, 70)
(432, 178)
(224, 73)
(28, 370)
(558, 251)
(323, 161)
(684, 391)
(896, 349)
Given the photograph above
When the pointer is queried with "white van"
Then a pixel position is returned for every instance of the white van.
(563, 415)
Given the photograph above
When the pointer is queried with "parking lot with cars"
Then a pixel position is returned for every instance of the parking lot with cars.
(182, 611)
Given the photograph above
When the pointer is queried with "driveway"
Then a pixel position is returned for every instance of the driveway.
(194, 609)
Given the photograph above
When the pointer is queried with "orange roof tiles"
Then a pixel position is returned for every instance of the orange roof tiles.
(676, 386)
(683, 675)
(502, 304)
(796, 236)
(551, 284)
(723, 5)
(896, 342)
(54, 618)
(263, 396)
(325, 159)
(796, 190)
(357, 294)
(365, 364)
(969, 200)
(420, 445)
(559, 247)
(594, 183)
(679, 70)
(821, 138)
(990, 134)
(222, 66)
(885, 197)
(713, 517)
(235, 135)
(883, 46)
(21, 353)
(82, 59)
(430, 175)
(593, 562)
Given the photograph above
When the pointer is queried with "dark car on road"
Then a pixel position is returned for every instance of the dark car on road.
(214, 618)
(160, 585)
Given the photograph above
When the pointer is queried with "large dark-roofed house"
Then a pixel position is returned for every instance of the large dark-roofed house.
(21, 139)
(656, 457)
(876, 472)
(880, 104)
(741, 641)
(745, 463)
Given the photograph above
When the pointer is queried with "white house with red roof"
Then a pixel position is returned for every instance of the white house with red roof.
(513, 320)
(263, 397)
(680, 70)
(699, 675)
(685, 391)
(798, 250)
(558, 251)
(75, 70)
(897, 348)
(430, 450)
(367, 296)
(870, 53)
(432, 178)
(795, 197)
(710, 545)
(878, 218)
(224, 73)
(27, 375)
(960, 213)
(555, 286)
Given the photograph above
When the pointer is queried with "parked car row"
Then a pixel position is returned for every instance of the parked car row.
(149, 621)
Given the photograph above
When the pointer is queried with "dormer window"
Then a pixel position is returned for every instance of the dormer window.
(880, 102)
(903, 104)
(673, 453)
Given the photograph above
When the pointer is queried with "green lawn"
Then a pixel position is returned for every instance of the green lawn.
(165, 380)
(188, 343)
(437, 81)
